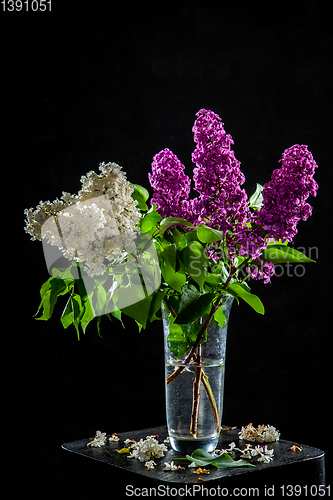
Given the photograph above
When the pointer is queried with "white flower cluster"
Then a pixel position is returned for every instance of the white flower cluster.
(260, 434)
(99, 440)
(147, 449)
(97, 226)
(265, 455)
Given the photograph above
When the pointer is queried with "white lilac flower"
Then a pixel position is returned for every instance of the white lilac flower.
(114, 438)
(150, 464)
(266, 455)
(129, 442)
(148, 449)
(99, 440)
(171, 467)
(246, 453)
(97, 225)
(261, 434)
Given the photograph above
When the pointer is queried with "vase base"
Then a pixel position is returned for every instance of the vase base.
(187, 446)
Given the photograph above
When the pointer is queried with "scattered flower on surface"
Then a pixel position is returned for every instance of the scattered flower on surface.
(201, 471)
(148, 449)
(265, 455)
(129, 442)
(296, 448)
(172, 467)
(99, 440)
(261, 434)
(114, 438)
(150, 464)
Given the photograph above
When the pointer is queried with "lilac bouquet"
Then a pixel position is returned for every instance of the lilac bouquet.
(187, 256)
(205, 246)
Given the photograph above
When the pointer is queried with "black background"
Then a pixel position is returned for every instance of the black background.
(98, 83)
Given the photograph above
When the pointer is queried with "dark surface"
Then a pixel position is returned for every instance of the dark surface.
(88, 83)
(306, 467)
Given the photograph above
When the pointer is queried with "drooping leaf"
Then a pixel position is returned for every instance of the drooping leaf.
(196, 309)
(195, 260)
(175, 279)
(280, 254)
(155, 304)
(49, 292)
(173, 221)
(89, 313)
(220, 317)
(182, 337)
(208, 234)
(139, 310)
(237, 290)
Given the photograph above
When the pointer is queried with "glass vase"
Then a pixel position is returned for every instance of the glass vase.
(194, 388)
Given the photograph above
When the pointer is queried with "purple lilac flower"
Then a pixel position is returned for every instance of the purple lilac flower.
(261, 271)
(171, 186)
(284, 197)
(217, 175)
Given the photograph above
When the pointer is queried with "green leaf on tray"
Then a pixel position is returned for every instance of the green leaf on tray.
(202, 458)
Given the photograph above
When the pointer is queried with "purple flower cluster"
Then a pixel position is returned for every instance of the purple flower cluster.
(171, 186)
(222, 203)
(217, 176)
(284, 197)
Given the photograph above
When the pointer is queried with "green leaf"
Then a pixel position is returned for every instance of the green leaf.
(195, 260)
(67, 315)
(150, 220)
(202, 458)
(208, 235)
(173, 221)
(175, 279)
(280, 254)
(189, 295)
(155, 304)
(78, 311)
(140, 195)
(254, 301)
(89, 313)
(139, 310)
(220, 317)
(182, 337)
(196, 309)
(142, 190)
(213, 280)
(49, 294)
(256, 199)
